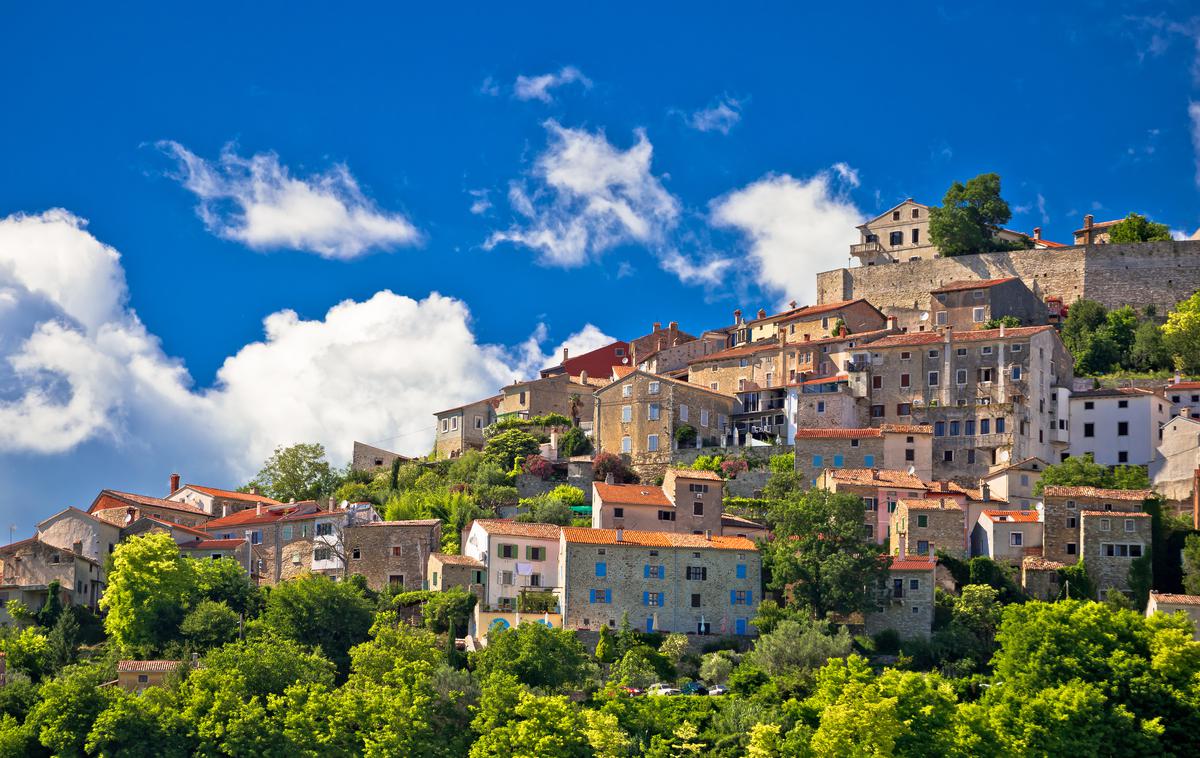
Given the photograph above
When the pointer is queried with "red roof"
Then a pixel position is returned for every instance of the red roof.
(877, 478)
(975, 335)
(912, 564)
(655, 539)
(931, 504)
(518, 528)
(907, 428)
(1184, 386)
(1095, 492)
(180, 527)
(597, 363)
(1016, 517)
(831, 433)
(230, 544)
(1165, 597)
(633, 494)
(826, 379)
(963, 285)
(1116, 514)
(147, 666)
(447, 559)
(287, 512)
(806, 311)
(128, 499)
(229, 494)
(761, 346)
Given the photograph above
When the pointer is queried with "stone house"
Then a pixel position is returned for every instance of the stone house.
(392, 554)
(665, 581)
(1014, 483)
(459, 429)
(1093, 233)
(880, 489)
(210, 549)
(923, 526)
(638, 416)
(28, 568)
(906, 603)
(673, 360)
(1040, 578)
(446, 571)
(973, 500)
(900, 233)
(183, 535)
(1162, 602)
(817, 322)
(518, 558)
(1118, 426)
(366, 457)
(553, 394)
(1183, 396)
(657, 339)
(136, 676)
(214, 501)
(1061, 509)
(1174, 468)
(1111, 541)
(80, 532)
(897, 447)
(1007, 536)
(122, 508)
(966, 305)
(687, 502)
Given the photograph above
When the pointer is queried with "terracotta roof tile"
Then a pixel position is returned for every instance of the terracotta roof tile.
(907, 428)
(1095, 492)
(1166, 597)
(826, 379)
(962, 285)
(288, 512)
(837, 433)
(180, 527)
(976, 335)
(877, 478)
(912, 564)
(1116, 514)
(806, 311)
(655, 539)
(149, 666)
(1014, 517)
(687, 473)
(156, 502)
(762, 346)
(447, 559)
(1184, 386)
(230, 494)
(408, 522)
(518, 528)
(931, 504)
(1038, 563)
(633, 494)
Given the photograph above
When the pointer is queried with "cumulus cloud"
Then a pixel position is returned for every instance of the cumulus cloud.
(588, 196)
(87, 369)
(538, 87)
(720, 116)
(480, 203)
(793, 227)
(710, 271)
(256, 201)
(1194, 115)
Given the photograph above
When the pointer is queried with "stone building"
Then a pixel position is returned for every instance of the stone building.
(446, 571)
(214, 501)
(922, 527)
(1112, 541)
(553, 394)
(1040, 578)
(896, 447)
(1119, 426)
(880, 489)
(72, 528)
(1014, 483)
(30, 566)
(1184, 397)
(136, 676)
(461, 428)
(392, 554)
(1061, 509)
(518, 558)
(1095, 234)
(1174, 468)
(657, 339)
(812, 322)
(970, 304)
(366, 457)
(906, 603)
(673, 360)
(665, 581)
(689, 502)
(122, 508)
(1162, 602)
(639, 415)
(900, 233)
(1006, 536)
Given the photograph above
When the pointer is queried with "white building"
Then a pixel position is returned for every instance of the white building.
(1118, 426)
(518, 557)
(1184, 396)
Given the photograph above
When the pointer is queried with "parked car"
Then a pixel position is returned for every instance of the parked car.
(659, 688)
(720, 689)
(633, 691)
(694, 688)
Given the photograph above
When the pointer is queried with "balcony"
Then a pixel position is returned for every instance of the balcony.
(868, 250)
(995, 439)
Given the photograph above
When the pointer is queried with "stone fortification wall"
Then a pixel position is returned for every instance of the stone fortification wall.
(1148, 273)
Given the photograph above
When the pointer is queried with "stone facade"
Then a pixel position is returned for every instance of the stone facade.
(1173, 471)
(392, 553)
(906, 604)
(81, 533)
(368, 457)
(1040, 578)
(817, 322)
(900, 233)
(689, 502)
(664, 581)
(970, 304)
(881, 491)
(892, 446)
(121, 508)
(1006, 536)
(217, 502)
(657, 339)
(553, 394)
(1147, 273)
(1112, 540)
(922, 527)
(1061, 509)
(29, 566)
(460, 429)
(446, 571)
(1015, 482)
(676, 357)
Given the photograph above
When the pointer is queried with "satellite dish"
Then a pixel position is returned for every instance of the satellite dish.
(624, 361)
(912, 470)
(924, 315)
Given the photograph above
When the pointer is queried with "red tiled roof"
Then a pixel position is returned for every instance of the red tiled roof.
(687, 473)
(655, 539)
(878, 478)
(962, 285)
(761, 346)
(826, 379)
(838, 433)
(131, 499)
(622, 371)
(805, 311)
(1095, 492)
(1184, 386)
(976, 335)
(1016, 517)
(180, 527)
(408, 522)
(148, 666)
(288, 512)
(931, 504)
(633, 494)
(1167, 597)
(518, 528)
(230, 494)
(229, 544)
(1116, 514)
(912, 564)
(457, 560)
(1046, 243)
(1100, 225)
(1038, 563)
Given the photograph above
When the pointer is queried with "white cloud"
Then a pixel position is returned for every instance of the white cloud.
(710, 271)
(538, 87)
(86, 369)
(257, 202)
(721, 116)
(489, 87)
(794, 227)
(588, 197)
(1041, 206)
(481, 203)
(1194, 115)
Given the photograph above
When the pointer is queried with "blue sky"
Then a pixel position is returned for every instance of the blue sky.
(555, 175)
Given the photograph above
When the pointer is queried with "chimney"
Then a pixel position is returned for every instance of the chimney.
(620, 535)
(564, 355)
(708, 534)
(174, 483)
(1001, 328)
(792, 305)
(1087, 221)
(762, 313)
(657, 326)
(1185, 412)
(1037, 233)
(903, 546)
(842, 330)
(737, 315)
(254, 490)
(673, 326)
(258, 508)
(583, 376)
(985, 492)
(1178, 378)
(892, 322)
(77, 547)
(608, 478)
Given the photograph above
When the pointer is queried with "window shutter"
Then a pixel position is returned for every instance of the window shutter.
(608, 596)
(645, 598)
(749, 597)
(646, 571)
(591, 596)
(662, 572)
(528, 552)
(733, 597)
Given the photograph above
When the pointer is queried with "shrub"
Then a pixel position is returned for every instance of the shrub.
(536, 465)
(574, 442)
(685, 435)
(734, 466)
(609, 463)
(887, 642)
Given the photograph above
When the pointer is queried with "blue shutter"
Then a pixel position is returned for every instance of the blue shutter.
(662, 572)
(837, 461)
(601, 568)
(646, 571)
(869, 461)
(646, 598)
(591, 596)
(733, 597)
(741, 571)
(749, 597)
(608, 596)
(816, 461)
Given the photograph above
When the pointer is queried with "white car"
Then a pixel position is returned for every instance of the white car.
(718, 690)
(661, 689)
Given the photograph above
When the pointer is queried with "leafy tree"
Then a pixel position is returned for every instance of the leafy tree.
(820, 556)
(604, 646)
(574, 442)
(53, 606)
(147, 591)
(140, 726)
(1141, 578)
(784, 463)
(1083, 318)
(1077, 582)
(225, 581)
(685, 436)
(318, 612)
(795, 647)
(1008, 322)
(536, 465)
(541, 726)
(641, 666)
(507, 446)
(715, 668)
(538, 656)
(1181, 334)
(298, 472)
(572, 496)
(546, 509)
(448, 611)
(1083, 471)
(69, 706)
(1191, 564)
(210, 624)
(1149, 352)
(606, 463)
(26, 650)
(62, 644)
(969, 217)
(353, 492)
(1136, 228)
(392, 643)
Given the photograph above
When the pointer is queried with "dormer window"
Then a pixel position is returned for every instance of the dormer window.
(916, 212)
(895, 215)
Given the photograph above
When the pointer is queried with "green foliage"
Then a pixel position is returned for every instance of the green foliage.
(605, 652)
(716, 667)
(794, 647)
(507, 446)
(1077, 582)
(609, 463)
(546, 509)
(641, 666)
(553, 659)
(539, 726)
(147, 592)
(985, 571)
(225, 581)
(1083, 471)
(140, 726)
(574, 442)
(26, 650)
(1181, 334)
(53, 606)
(299, 472)
(1009, 322)
(685, 435)
(70, 704)
(707, 463)
(318, 612)
(784, 463)
(62, 644)
(1149, 350)
(1191, 564)
(210, 624)
(1104, 341)
(1137, 228)
(969, 217)
(820, 556)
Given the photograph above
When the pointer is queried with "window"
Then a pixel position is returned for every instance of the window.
(948, 456)
(696, 600)
(941, 318)
(1089, 405)
(508, 551)
(296, 558)
(683, 413)
(697, 509)
(697, 573)
(1000, 425)
(396, 580)
(1072, 548)
(740, 597)
(626, 413)
(1122, 428)
(600, 596)
(933, 378)
(876, 411)
(454, 424)
(397, 551)
(618, 513)
(653, 388)
(820, 406)
(971, 455)
(143, 678)
(322, 554)
(895, 215)
(1015, 539)
(1071, 522)
(1016, 372)
(934, 353)
(1105, 525)
(977, 315)
(626, 444)
(355, 554)
(922, 547)
(986, 350)
(896, 239)
(903, 409)
(323, 529)
(1123, 456)
(655, 411)
(922, 520)
(954, 427)
(287, 532)
(910, 454)
(1122, 403)
(535, 553)
(1110, 550)
(535, 580)
(837, 461)
(703, 418)
(969, 427)
(627, 390)
(652, 442)
(652, 598)
(939, 429)
(916, 236)
(256, 536)
(506, 577)
(479, 422)
(985, 426)
(666, 515)
(960, 377)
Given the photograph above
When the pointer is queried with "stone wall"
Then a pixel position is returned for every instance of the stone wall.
(912, 615)
(1112, 572)
(384, 549)
(1149, 273)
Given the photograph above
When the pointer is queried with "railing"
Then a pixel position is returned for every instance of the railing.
(866, 248)
(995, 439)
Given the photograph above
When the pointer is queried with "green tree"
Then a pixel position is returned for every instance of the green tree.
(795, 647)
(393, 642)
(1120, 326)
(297, 472)
(1075, 471)
(226, 581)
(62, 643)
(969, 217)
(69, 706)
(641, 666)
(606, 463)
(318, 612)
(1181, 334)
(545, 509)
(53, 606)
(538, 656)
(1008, 322)
(1191, 564)
(1084, 317)
(605, 652)
(1076, 582)
(210, 624)
(1149, 352)
(507, 446)
(1136, 228)
(26, 650)
(574, 442)
(541, 726)
(140, 726)
(715, 668)
(448, 611)
(685, 436)
(147, 592)
(820, 556)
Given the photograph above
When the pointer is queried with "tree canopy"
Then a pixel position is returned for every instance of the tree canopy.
(1137, 228)
(969, 217)
(298, 472)
(1083, 471)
